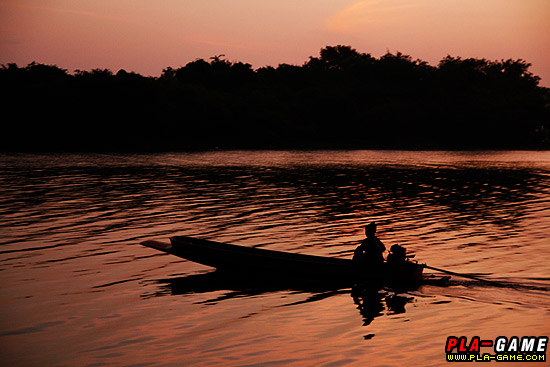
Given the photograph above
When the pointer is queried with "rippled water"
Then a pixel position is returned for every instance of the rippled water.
(77, 289)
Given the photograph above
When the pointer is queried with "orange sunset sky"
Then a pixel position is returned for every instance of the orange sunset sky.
(147, 36)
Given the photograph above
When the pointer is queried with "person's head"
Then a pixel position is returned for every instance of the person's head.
(370, 229)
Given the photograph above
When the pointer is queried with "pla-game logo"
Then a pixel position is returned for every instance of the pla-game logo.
(524, 349)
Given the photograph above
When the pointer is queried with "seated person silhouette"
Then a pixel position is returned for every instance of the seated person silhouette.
(368, 256)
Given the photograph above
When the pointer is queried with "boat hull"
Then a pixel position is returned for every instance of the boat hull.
(280, 264)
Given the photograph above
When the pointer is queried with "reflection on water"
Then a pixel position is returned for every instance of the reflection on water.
(371, 300)
(239, 285)
(71, 266)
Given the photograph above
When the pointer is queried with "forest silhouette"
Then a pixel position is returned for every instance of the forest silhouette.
(342, 99)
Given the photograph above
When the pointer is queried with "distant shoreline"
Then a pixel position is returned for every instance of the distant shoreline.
(342, 99)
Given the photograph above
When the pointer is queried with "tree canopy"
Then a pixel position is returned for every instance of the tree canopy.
(340, 99)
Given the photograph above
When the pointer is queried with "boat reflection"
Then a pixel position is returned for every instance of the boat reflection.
(239, 285)
(372, 301)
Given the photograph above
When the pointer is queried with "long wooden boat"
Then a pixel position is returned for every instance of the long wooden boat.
(281, 264)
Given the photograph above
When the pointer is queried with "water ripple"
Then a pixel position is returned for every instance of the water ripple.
(71, 224)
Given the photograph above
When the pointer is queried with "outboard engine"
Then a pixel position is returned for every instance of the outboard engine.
(397, 255)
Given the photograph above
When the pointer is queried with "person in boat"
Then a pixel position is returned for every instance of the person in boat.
(370, 253)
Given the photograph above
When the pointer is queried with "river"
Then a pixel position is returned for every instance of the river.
(77, 289)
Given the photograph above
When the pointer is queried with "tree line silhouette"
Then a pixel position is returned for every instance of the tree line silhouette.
(340, 99)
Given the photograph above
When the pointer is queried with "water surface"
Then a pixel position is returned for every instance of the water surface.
(76, 288)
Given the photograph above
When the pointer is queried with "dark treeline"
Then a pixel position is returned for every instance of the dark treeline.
(341, 99)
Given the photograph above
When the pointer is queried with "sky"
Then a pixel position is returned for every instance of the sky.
(148, 36)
